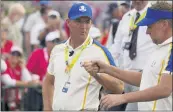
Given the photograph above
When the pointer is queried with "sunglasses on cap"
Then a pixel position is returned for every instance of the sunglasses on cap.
(53, 16)
(16, 53)
(56, 40)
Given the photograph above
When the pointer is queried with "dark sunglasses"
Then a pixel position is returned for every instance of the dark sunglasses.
(53, 16)
(56, 40)
(16, 53)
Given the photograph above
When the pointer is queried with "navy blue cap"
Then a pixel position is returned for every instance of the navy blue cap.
(78, 10)
(153, 16)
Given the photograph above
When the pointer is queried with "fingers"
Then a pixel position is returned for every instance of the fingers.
(105, 102)
(90, 67)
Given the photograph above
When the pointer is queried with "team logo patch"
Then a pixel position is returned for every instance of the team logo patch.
(82, 8)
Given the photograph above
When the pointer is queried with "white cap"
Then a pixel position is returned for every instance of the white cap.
(54, 12)
(94, 32)
(53, 35)
(16, 48)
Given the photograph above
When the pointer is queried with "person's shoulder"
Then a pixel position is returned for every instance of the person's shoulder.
(129, 13)
(34, 15)
(104, 51)
(9, 42)
(99, 45)
(59, 47)
(37, 51)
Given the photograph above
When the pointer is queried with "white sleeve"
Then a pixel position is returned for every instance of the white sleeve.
(116, 49)
(26, 76)
(29, 23)
(7, 80)
(35, 31)
(3, 66)
(110, 39)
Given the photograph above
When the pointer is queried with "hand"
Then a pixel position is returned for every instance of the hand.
(95, 66)
(111, 100)
(33, 83)
(91, 68)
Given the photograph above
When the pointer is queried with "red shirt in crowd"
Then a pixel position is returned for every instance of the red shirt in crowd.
(38, 62)
(14, 73)
(7, 47)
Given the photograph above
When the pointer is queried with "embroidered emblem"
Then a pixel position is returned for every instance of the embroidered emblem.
(82, 8)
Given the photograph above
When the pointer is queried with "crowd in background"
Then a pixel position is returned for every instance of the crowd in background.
(29, 31)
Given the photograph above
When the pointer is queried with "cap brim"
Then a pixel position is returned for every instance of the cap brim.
(146, 22)
(76, 17)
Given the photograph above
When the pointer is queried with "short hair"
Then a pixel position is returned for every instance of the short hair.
(163, 5)
(43, 11)
(16, 7)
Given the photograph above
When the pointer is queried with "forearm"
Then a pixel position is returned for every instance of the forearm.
(150, 94)
(22, 83)
(27, 43)
(110, 83)
(48, 91)
(130, 77)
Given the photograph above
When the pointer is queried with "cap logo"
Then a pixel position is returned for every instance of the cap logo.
(82, 8)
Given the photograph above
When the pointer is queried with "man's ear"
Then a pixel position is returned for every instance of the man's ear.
(165, 24)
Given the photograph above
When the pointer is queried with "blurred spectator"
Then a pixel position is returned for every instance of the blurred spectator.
(95, 33)
(5, 43)
(122, 9)
(37, 28)
(16, 11)
(35, 18)
(41, 56)
(2, 11)
(37, 58)
(112, 19)
(16, 74)
(113, 14)
(54, 23)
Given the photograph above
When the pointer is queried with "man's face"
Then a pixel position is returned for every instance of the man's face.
(15, 57)
(50, 45)
(156, 32)
(80, 27)
(139, 4)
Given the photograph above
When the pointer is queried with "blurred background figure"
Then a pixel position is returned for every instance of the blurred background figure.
(15, 13)
(95, 33)
(6, 44)
(123, 8)
(40, 57)
(37, 17)
(54, 23)
(110, 24)
(16, 74)
(37, 28)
